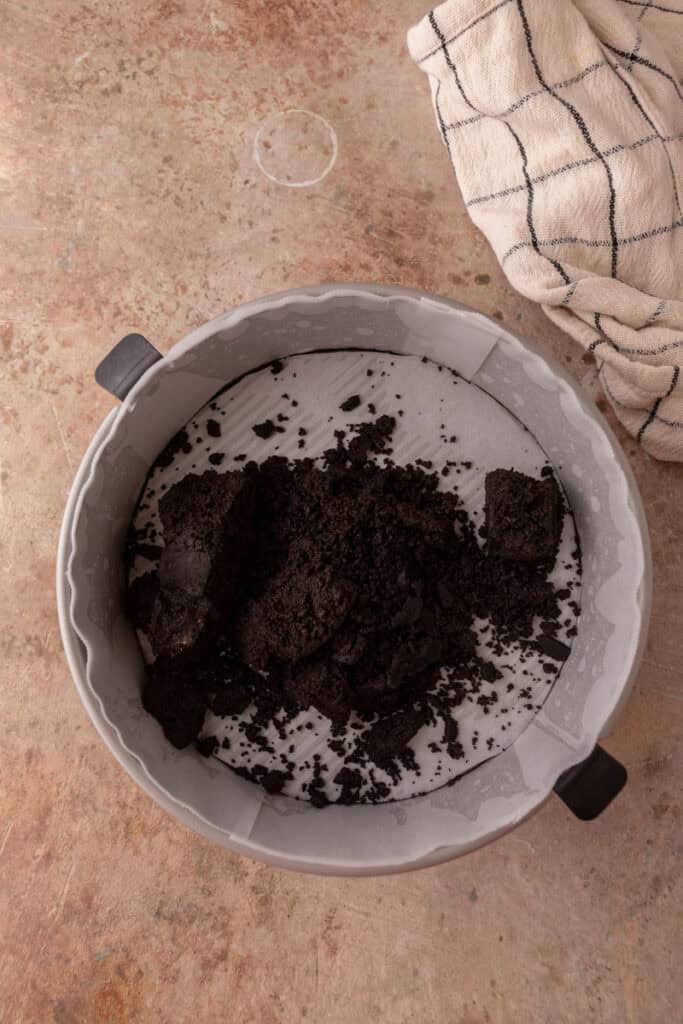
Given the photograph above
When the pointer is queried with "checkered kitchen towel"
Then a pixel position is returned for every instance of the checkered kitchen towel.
(563, 120)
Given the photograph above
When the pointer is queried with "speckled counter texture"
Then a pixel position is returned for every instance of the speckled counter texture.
(130, 199)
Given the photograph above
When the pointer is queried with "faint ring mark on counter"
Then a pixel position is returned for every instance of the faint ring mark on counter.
(295, 148)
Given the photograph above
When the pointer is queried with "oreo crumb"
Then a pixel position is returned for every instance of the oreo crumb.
(264, 430)
(337, 594)
(553, 648)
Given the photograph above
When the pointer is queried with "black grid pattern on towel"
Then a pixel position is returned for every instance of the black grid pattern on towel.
(652, 415)
(624, 60)
(652, 418)
(651, 7)
(538, 179)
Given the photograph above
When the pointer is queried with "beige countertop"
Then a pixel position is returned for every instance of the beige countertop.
(130, 199)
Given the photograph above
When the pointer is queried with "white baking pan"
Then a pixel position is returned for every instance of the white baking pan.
(558, 750)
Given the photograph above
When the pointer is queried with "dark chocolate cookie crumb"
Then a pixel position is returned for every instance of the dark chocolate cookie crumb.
(180, 442)
(345, 588)
(273, 781)
(523, 515)
(553, 648)
(351, 403)
(150, 551)
(264, 430)
(206, 745)
(213, 428)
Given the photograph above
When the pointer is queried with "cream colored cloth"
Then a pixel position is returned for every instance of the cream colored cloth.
(563, 120)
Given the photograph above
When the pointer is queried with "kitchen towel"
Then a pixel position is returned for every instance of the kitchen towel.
(563, 120)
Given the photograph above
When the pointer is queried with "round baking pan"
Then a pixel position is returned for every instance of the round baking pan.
(558, 750)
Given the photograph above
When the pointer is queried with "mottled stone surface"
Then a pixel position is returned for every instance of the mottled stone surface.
(130, 199)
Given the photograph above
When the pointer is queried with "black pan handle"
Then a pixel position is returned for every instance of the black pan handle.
(125, 364)
(590, 786)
